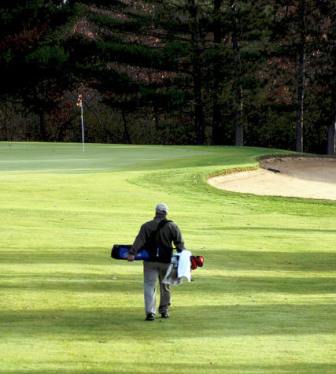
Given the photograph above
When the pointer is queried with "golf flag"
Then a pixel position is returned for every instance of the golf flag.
(80, 100)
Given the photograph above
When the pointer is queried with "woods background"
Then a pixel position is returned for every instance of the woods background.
(256, 73)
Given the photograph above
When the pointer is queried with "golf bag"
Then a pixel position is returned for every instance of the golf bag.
(120, 252)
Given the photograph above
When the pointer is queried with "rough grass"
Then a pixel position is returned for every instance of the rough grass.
(264, 303)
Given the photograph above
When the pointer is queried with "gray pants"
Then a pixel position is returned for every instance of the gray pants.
(154, 271)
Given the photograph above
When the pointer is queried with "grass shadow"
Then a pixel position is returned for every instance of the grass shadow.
(270, 261)
(196, 367)
(212, 321)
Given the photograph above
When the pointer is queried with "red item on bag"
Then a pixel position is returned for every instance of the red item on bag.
(196, 261)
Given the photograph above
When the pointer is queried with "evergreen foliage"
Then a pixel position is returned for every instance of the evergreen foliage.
(33, 61)
(185, 71)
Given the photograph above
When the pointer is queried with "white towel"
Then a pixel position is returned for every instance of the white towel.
(183, 269)
(179, 269)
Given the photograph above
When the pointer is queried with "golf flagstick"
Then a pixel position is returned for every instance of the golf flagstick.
(80, 104)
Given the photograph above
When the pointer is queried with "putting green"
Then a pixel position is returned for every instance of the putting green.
(264, 303)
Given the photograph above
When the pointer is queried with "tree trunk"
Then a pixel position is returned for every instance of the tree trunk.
(126, 136)
(239, 133)
(238, 90)
(5, 124)
(216, 110)
(156, 117)
(301, 78)
(332, 138)
(196, 71)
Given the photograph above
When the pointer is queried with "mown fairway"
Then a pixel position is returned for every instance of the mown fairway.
(265, 302)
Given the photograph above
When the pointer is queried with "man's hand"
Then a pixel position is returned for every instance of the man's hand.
(130, 258)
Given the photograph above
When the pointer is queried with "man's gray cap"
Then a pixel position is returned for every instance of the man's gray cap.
(161, 208)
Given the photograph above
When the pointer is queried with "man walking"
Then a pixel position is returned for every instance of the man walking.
(157, 237)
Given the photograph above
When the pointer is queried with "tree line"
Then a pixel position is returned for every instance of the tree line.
(256, 73)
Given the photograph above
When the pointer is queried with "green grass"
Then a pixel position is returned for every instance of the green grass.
(264, 303)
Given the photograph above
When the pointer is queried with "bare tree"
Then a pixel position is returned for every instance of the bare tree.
(301, 69)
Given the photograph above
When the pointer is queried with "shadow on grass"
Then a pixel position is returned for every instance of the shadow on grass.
(87, 255)
(214, 259)
(203, 284)
(266, 261)
(250, 285)
(211, 321)
(194, 368)
(285, 230)
(77, 283)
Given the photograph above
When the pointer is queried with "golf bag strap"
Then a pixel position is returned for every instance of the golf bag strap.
(159, 227)
(152, 238)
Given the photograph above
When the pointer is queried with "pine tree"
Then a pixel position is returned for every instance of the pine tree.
(323, 66)
(130, 60)
(296, 43)
(244, 32)
(217, 30)
(33, 61)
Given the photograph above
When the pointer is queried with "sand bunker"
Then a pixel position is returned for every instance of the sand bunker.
(285, 176)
